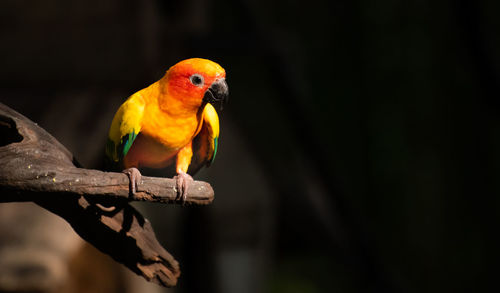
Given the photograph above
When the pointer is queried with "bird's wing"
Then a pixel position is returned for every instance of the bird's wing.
(124, 129)
(206, 142)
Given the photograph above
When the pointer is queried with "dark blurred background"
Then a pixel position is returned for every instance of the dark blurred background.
(359, 150)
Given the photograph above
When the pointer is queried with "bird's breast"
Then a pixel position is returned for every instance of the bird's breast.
(173, 133)
(160, 140)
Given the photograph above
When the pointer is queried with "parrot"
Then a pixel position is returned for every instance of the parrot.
(171, 123)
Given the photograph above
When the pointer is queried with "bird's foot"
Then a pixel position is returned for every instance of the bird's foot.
(135, 177)
(182, 182)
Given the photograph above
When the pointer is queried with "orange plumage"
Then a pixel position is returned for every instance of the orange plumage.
(156, 126)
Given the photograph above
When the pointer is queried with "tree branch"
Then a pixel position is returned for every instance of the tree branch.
(36, 167)
(60, 181)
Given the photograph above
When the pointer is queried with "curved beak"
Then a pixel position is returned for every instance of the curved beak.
(217, 93)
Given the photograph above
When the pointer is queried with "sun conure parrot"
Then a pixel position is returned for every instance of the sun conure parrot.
(171, 122)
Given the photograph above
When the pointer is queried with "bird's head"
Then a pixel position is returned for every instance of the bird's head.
(194, 82)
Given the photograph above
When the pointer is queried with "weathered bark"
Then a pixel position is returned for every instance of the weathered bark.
(36, 167)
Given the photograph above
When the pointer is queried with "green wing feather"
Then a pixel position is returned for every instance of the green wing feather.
(216, 145)
(124, 129)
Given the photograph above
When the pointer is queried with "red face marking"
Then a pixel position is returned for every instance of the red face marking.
(181, 87)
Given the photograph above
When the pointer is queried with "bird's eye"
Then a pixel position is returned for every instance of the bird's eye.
(197, 79)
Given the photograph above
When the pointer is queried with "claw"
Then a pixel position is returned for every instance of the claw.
(104, 208)
(182, 182)
(135, 177)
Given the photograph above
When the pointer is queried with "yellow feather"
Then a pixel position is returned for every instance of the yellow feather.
(210, 116)
(126, 120)
(211, 119)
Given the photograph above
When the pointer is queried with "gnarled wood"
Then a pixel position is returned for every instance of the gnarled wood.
(36, 167)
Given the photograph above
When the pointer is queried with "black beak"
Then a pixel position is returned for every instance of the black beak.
(217, 93)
